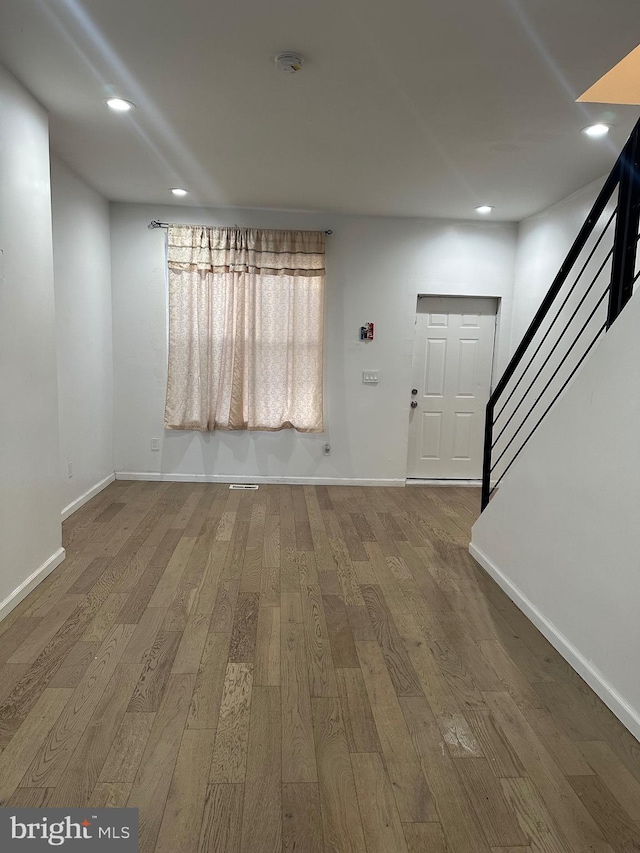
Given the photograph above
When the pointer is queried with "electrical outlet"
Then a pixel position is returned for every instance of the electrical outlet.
(155, 444)
(326, 449)
(70, 469)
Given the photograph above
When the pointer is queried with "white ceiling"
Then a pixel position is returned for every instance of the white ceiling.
(403, 107)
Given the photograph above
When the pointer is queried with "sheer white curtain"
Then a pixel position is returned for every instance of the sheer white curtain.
(246, 311)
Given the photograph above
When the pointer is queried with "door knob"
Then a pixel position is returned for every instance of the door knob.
(414, 404)
(414, 391)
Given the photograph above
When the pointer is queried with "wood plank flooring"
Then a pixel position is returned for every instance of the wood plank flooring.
(303, 669)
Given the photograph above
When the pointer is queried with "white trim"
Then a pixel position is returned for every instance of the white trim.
(90, 493)
(249, 478)
(625, 712)
(418, 481)
(32, 581)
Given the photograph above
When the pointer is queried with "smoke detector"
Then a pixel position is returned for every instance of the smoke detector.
(289, 62)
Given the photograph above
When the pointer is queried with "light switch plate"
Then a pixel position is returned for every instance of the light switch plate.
(370, 377)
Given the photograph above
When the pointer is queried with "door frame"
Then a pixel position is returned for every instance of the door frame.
(416, 481)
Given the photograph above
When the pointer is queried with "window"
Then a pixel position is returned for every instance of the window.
(245, 329)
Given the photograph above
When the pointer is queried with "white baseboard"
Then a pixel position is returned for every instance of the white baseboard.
(90, 493)
(417, 481)
(625, 712)
(273, 481)
(30, 583)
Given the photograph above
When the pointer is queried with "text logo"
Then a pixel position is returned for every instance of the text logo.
(70, 830)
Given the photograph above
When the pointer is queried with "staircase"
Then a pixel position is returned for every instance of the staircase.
(560, 534)
(589, 292)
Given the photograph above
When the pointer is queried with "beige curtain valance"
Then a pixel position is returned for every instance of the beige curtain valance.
(246, 250)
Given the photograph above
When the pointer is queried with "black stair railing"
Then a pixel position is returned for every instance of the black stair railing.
(592, 287)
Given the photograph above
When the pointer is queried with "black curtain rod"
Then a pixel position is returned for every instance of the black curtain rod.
(155, 223)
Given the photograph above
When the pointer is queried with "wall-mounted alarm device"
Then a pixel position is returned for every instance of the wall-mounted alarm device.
(366, 332)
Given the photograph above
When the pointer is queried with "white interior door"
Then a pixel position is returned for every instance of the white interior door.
(451, 377)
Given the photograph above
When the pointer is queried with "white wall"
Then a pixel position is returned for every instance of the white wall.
(375, 269)
(560, 534)
(82, 271)
(543, 243)
(29, 474)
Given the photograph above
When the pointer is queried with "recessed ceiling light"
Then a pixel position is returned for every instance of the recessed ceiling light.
(120, 105)
(596, 130)
(178, 191)
(484, 209)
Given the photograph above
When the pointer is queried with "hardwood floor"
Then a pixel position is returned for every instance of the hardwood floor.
(303, 669)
